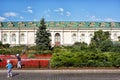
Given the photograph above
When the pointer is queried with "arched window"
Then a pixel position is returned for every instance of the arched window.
(74, 37)
(91, 35)
(115, 36)
(57, 39)
(82, 37)
(13, 37)
(22, 37)
(5, 36)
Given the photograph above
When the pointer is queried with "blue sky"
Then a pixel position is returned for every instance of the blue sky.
(60, 10)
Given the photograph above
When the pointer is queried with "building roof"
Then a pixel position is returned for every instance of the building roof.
(61, 24)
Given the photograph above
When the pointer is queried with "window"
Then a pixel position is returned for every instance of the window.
(22, 37)
(91, 35)
(5, 37)
(82, 37)
(57, 37)
(13, 38)
(115, 36)
(74, 37)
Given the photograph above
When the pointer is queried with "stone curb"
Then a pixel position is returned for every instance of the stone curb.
(68, 71)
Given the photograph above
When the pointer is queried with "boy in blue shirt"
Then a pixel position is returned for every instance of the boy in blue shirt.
(9, 67)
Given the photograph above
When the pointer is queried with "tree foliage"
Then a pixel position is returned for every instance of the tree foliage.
(1, 44)
(106, 46)
(115, 47)
(102, 52)
(42, 37)
(119, 38)
(98, 38)
(78, 46)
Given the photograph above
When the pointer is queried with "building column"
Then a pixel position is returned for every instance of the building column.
(71, 37)
(53, 39)
(112, 35)
(26, 40)
(87, 38)
(17, 38)
(61, 37)
(9, 40)
(63, 33)
(34, 36)
(0, 34)
(78, 36)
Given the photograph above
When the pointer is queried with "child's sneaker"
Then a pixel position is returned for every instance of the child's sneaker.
(11, 75)
(8, 76)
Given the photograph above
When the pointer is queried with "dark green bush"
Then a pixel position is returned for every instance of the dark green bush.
(6, 45)
(85, 59)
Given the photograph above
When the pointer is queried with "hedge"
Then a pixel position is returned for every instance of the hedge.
(85, 59)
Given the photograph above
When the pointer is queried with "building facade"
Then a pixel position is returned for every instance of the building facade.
(62, 33)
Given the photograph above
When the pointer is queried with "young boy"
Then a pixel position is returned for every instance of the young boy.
(9, 67)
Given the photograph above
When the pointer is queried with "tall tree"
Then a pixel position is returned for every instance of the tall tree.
(99, 38)
(42, 37)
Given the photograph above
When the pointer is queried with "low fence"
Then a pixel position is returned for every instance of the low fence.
(28, 63)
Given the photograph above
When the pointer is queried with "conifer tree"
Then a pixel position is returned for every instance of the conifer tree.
(42, 37)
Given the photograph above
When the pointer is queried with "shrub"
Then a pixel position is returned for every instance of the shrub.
(31, 56)
(6, 45)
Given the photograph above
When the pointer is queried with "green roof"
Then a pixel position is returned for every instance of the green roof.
(65, 24)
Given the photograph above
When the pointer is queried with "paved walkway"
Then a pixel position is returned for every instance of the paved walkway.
(83, 74)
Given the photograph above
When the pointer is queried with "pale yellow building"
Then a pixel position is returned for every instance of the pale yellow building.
(62, 33)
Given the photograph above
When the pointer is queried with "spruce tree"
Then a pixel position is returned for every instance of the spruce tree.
(42, 37)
